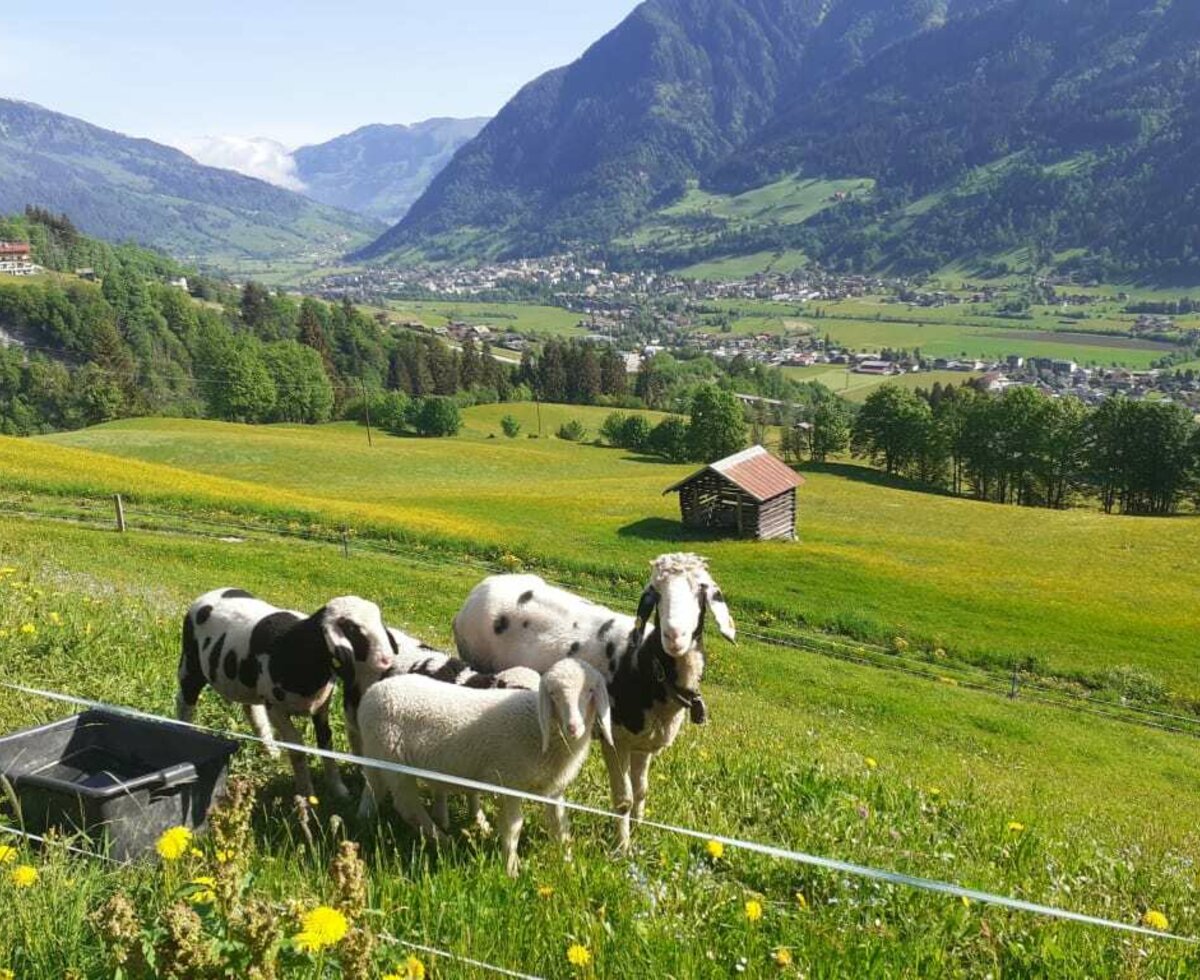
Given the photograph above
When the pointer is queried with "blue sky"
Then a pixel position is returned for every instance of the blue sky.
(296, 72)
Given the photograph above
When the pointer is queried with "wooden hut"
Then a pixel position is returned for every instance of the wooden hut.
(751, 492)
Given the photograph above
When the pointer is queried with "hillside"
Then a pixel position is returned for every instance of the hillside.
(125, 189)
(583, 151)
(380, 170)
(987, 126)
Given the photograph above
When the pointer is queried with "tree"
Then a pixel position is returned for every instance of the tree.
(510, 426)
(891, 428)
(470, 369)
(437, 416)
(241, 388)
(302, 388)
(312, 333)
(718, 425)
(830, 429)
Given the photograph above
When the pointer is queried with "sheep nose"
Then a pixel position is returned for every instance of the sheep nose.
(574, 729)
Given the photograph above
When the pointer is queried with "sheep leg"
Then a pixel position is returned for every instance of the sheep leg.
(260, 721)
(283, 725)
(374, 789)
(639, 773)
(511, 820)
(333, 778)
(407, 801)
(477, 814)
(617, 761)
(441, 807)
(558, 827)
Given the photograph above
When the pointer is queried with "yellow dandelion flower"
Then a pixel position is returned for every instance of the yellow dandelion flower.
(801, 901)
(754, 910)
(87, 629)
(782, 956)
(965, 901)
(578, 955)
(28, 629)
(7, 854)
(195, 852)
(204, 894)
(716, 850)
(3, 634)
(7, 975)
(871, 763)
(392, 976)
(413, 969)
(545, 891)
(321, 927)
(56, 619)
(934, 791)
(313, 801)
(222, 857)
(7, 570)
(23, 876)
(1154, 919)
(174, 843)
(1015, 827)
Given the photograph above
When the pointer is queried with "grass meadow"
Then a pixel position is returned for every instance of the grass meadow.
(874, 765)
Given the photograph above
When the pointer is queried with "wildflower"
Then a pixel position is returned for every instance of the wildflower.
(3, 634)
(899, 644)
(966, 901)
(28, 629)
(1154, 919)
(174, 843)
(204, 894)
(545, 891)
(782, 956)
(55, 619)
(7, 975)
(313, 801)
(871, 763)
(578, 955)
(754, 910)
(413, 969)
(716, 850)
(7, 570)
(195, 852)
(87, 629)
(1015, 827)
(321, 927)
(934, 792)
(222, 857)
(7, 854)
(801, 901)
(23, 876)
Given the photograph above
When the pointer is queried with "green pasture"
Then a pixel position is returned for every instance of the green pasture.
(527, 318)
(811, 754)
(742, 266)
(987, 585)
(855, 387)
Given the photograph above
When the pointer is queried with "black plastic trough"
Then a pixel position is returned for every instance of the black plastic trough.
(120, 780)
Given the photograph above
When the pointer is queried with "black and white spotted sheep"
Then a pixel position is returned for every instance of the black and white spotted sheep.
(652, 662)
(278, 663)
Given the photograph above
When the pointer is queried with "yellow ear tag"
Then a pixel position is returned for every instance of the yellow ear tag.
(639, 623)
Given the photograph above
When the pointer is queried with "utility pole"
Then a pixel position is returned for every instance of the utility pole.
(367, 411)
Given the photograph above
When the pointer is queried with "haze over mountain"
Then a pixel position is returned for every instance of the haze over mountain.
(380, 170)
(1059, 127)
(376, 170)
(122, 188)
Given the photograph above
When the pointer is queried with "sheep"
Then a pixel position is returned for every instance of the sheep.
(278, 663)
(535, 741)
(653, 674)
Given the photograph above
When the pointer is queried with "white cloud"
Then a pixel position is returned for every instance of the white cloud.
(254, 156)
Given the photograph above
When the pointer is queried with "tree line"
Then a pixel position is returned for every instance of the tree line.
(1024, 447)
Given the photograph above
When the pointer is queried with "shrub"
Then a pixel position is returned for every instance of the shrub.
(390, 412)
(670, 439)
(436, 416)
(573, 431)
(626, 431)
(511, 427)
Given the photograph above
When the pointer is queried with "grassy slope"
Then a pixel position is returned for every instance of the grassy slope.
(990, 584)
(855, 387)
(953, 768)
(527, 318)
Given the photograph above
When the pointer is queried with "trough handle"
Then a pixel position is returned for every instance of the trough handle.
(179, 775)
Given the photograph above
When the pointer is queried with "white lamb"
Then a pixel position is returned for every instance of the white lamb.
(535, 741)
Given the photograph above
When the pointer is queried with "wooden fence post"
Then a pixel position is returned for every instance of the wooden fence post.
(120, 512)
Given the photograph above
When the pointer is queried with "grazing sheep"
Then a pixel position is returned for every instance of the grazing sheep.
(278, 663)
(519, 620)
(535, 741)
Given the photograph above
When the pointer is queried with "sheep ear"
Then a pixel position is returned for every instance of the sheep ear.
(545, 716)
(603, 713)
(720, 611)
(645, 610)
(341, 650)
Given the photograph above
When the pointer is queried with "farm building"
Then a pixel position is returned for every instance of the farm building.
(751, 491)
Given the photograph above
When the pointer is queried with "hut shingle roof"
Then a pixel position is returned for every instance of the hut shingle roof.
(755, 470)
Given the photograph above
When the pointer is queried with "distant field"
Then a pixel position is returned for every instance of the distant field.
(855, 387)
(524, 318)
(742, 266)
(989, 584)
